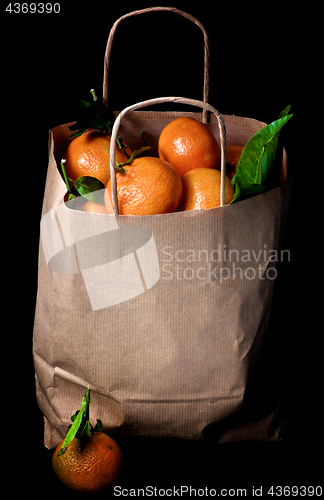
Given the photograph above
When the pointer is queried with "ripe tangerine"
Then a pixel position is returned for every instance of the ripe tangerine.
(90, 465)
(186, 144)
(201, 189)
(149, 186)
(89, 155)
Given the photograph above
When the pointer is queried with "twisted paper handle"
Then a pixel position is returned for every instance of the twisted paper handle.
(159, 9)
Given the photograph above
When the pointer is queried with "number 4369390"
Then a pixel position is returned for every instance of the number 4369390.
(33, 8)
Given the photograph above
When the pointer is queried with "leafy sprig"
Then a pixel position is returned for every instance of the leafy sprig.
(94, 115)
(86, 186)
(80, 426)
(259, 166)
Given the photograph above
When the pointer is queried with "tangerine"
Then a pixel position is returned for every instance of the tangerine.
(187, 144)
(233, 154)
(89, 155)
(90, 465)
(201, 189)
(91, 206)
(149, 186)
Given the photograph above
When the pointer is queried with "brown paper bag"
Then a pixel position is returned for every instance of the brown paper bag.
(163, 316)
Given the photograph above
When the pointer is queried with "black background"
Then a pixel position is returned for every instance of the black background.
(49, 62)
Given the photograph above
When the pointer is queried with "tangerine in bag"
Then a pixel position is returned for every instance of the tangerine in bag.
(187, 143)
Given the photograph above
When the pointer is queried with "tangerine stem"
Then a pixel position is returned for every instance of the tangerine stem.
(66, 179)
(121, 145)
(120, 166)
(145, 142)
(94, 96)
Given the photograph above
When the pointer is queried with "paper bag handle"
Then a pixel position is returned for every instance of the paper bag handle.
(160, 100)
(157, 9)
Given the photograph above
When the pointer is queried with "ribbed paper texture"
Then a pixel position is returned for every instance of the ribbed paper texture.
(176, 358)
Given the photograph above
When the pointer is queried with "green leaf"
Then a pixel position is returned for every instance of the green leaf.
(86, 431)
(78, 133)
(80, 420)
(255, 172)
(94, 115)
(272, 157)
(99, 426)
(75, 415)
(285, 112)
(85, 188)
(86, 184)
(84, 104)
(91, 189)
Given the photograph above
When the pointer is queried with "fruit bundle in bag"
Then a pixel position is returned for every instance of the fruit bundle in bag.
(164, 316)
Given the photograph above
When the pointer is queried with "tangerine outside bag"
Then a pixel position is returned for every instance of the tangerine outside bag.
(163, 316)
